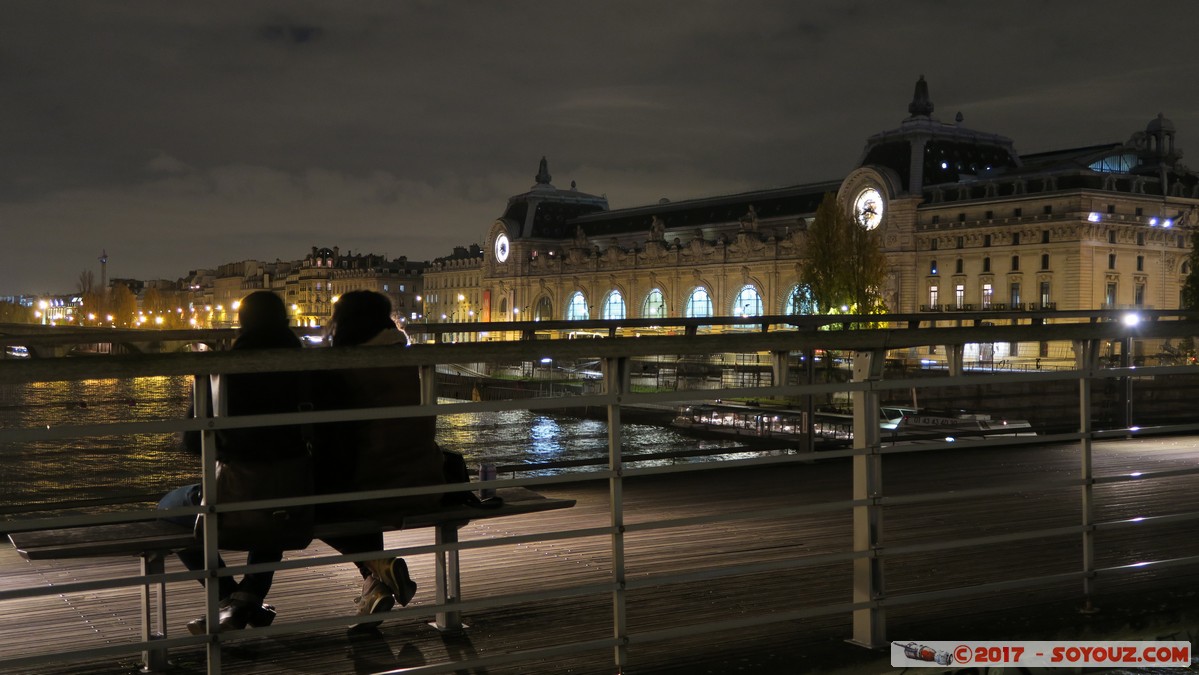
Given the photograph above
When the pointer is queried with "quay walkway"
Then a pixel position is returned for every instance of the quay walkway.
(1149, 602)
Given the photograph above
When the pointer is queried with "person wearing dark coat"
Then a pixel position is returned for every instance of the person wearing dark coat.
(263, 325)
(374, 454)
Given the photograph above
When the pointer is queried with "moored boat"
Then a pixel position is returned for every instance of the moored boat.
(835, 427)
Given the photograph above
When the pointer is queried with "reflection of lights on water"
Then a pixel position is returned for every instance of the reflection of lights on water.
(545, 435)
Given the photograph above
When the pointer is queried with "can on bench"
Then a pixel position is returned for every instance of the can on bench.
(487, 472)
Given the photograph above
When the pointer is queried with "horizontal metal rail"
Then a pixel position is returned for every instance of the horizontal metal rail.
(614, 393)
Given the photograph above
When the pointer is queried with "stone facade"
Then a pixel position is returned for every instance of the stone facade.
(965, 223)
(309, 287)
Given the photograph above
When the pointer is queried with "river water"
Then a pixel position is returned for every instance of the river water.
(115, 467)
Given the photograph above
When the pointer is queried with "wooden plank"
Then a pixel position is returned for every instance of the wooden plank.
(816, 644)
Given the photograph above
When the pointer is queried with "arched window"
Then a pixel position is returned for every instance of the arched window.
(748, 302)
(699, 304)
(503, 305)
(576, 308)
(654, 306)
(544, 311)
(613, 306)
(799, 301)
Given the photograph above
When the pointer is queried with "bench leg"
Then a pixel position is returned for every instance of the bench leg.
(154, 659)
(449, 581)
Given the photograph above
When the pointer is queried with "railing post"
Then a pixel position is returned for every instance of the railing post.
(154, 660)
(1086, 354)
(1126, 361)
(779, 368)
(447, 574)
(955, 359)
(870, 624)
(616, 379)
(209, 388)
(809, 400)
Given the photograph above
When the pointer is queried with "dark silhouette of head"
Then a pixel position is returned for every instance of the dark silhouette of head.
(263, 319)
(261, 310)
(359, 316)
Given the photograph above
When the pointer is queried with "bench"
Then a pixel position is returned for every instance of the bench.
(153, 540)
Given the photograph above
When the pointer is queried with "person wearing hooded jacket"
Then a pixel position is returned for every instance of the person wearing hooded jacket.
(374, 454)
(263, 322)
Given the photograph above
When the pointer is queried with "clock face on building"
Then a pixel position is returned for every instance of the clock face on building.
(868, 207)
(501, 248)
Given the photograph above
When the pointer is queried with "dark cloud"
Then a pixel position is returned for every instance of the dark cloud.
(289, 33)
(184, 135)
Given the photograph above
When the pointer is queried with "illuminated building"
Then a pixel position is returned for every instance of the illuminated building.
(966, 223)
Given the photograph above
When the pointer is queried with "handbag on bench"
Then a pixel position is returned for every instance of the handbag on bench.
(284, 528)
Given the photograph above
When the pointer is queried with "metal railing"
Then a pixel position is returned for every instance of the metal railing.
(866, 387)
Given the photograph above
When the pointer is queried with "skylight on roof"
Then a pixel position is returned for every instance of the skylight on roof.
(1122, 163)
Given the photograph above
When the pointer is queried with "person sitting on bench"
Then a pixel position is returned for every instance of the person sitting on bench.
(374, 454)
(264, 325)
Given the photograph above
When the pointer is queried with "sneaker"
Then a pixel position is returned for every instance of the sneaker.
(394, 573)
(376, 598)
(237, 612)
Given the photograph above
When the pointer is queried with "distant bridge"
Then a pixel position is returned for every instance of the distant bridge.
(54, 341)
(48, 341)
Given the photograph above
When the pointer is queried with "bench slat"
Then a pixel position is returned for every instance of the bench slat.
(161, 536)
(102, 540)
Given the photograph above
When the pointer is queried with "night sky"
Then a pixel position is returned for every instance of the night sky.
(182, 135)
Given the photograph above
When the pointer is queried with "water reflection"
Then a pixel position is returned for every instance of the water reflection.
(94, 467)
(545, 437)
(149, 464)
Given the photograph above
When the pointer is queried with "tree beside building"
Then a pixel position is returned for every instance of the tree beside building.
(844, 266)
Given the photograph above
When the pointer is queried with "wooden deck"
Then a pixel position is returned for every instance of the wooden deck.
(817, 644)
